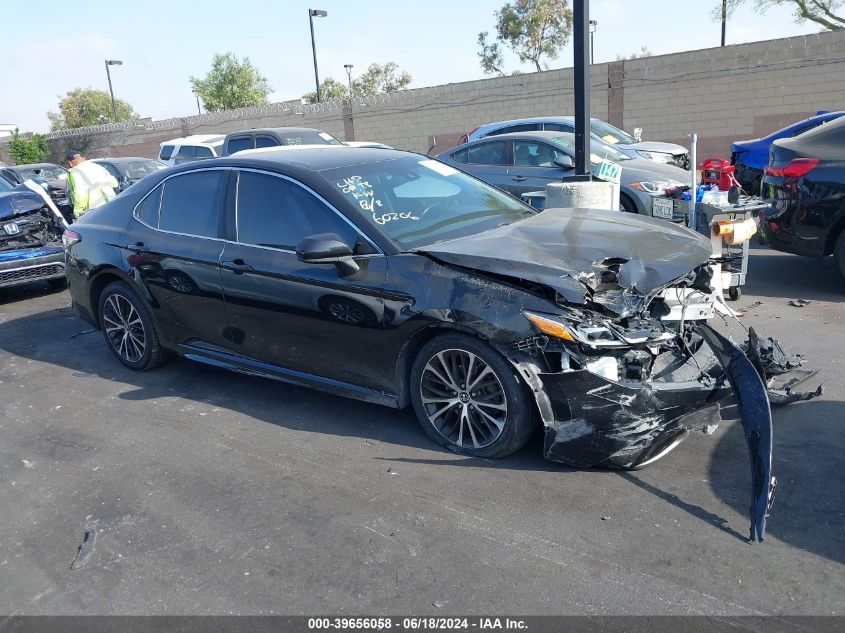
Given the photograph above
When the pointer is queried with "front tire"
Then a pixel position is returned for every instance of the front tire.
(626, 204)
(128, 327)
(468, 398)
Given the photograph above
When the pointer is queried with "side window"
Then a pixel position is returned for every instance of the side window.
(532, 154)
(277, 213)
(190, 203)
(166, 152)
(112, 170)
(265, 141)
(495, 153)
(203, 152)
(520, 127)
(461, 155)
(147, 211)
(238, 144)
(186, 150)
(558, 127)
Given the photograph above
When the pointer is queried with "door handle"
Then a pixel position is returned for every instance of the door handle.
(518, 178)
(139, 247)
(238, 266)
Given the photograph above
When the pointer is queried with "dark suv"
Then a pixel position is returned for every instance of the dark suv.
(275, 137)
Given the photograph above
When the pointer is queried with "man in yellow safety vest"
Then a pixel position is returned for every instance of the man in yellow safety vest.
(89, 184)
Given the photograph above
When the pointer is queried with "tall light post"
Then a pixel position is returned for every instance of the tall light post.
(315, 13)
(199, 111)
(593, 25)
(112, 62)
(348, 68)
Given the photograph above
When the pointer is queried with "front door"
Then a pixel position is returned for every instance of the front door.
(304, 317)
(533, 167)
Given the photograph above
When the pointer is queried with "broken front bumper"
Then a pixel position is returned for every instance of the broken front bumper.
(593, 421)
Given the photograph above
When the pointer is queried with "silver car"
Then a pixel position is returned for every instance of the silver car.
(655, 151)
(525, 162)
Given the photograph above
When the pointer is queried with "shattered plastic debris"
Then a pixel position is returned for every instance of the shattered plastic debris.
(770, 360)
(799, 303)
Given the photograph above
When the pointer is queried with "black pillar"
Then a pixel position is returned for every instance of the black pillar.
(581, 31)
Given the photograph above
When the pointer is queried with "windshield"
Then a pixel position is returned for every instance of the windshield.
(417, 201)
(48, 172)
(136, 170)
(598, 149)
(308, 137)
(610, 133)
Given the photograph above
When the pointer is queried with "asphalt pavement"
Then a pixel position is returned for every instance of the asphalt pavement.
(206, 492)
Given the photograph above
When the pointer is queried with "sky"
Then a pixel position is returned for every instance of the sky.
(162, 43)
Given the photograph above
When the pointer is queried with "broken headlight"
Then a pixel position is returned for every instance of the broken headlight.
(592, 333)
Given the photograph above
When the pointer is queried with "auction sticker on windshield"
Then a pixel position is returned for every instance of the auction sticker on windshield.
(662, 208)
(608, 171)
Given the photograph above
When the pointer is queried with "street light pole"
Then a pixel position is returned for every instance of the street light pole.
(199, 111)
(315, 13)
(593, 26)
(580, 30)
(348, 68)
(112, 62)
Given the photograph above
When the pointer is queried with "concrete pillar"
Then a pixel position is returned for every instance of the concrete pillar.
(583, 195)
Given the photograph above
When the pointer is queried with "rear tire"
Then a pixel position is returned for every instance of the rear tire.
(839, 253)
(128, 327)
(470, 399)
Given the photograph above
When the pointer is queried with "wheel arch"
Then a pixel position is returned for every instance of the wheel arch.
(102, 278)
(833, 235)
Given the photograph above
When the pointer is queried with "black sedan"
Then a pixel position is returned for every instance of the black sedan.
(805, 180)
(389, 277)
(128, 170)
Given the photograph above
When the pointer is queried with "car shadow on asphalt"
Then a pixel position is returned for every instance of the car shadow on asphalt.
(809, 436)
(771, 273)
(808, 512)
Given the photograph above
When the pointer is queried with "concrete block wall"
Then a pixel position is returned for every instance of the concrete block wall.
(724, 94)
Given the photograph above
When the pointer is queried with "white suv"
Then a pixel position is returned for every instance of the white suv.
(190, 148)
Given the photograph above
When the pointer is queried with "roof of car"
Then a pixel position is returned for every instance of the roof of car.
(196, 139)
(319, 157)
(33, 166)
(125, 159)
(275, 130)
(536, 134)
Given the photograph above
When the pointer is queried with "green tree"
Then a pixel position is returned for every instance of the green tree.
(84, 107)
(535, 30)
(381, 78)
(231, 83)
(28, 149)
(377, 79)
(643, 52)
(822, 12)
(330, 90)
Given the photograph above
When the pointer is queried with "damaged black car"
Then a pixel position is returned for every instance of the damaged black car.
(389, 277)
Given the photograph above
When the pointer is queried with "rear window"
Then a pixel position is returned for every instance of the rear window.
(522, 127)
(190, 203)
(265, 141)
(140, 168)
(307, 137)
(166, 152)
(238, 144)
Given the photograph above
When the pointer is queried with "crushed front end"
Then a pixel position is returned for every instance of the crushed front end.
(621, 380)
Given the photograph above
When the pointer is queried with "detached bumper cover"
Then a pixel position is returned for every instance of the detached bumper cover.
(628, 424)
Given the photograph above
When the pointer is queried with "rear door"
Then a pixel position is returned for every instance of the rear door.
(302, 317)
(533, 167)
(174, 250)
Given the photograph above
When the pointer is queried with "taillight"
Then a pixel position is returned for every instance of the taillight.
(69, 238)
(795, 169)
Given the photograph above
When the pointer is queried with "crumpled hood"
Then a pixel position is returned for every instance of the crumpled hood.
(657, 146)
(19, 201)
(558, 246)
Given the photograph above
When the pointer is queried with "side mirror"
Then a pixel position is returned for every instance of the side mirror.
(638, 134)
(564, 161)
(327, 248)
